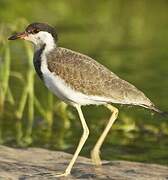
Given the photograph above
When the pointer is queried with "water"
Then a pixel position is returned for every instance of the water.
(131, 39)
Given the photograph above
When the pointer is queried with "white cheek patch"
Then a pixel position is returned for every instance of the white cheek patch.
(41, 38)
(31, 38)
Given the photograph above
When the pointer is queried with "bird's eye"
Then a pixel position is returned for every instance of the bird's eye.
(34, 31)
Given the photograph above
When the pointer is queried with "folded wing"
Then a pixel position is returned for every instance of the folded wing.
(86, 75)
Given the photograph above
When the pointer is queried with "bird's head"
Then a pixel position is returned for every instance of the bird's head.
(38, 33)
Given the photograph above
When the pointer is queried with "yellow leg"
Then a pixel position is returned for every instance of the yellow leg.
(96, 150)
(81, 142)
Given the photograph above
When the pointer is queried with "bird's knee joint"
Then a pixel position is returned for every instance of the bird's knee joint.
(113, 109)
(116, 112)
(86, 133)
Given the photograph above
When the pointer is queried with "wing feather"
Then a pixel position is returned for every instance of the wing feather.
(86, 75)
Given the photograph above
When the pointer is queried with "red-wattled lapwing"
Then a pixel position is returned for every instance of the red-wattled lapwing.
(79, 80)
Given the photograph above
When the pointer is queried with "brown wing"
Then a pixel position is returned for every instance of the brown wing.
(86, 75)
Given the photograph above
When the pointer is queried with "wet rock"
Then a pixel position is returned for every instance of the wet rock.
(41, 164)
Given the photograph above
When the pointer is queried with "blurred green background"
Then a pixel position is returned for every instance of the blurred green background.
(129, 37)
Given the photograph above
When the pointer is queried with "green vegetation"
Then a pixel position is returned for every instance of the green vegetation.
(129, 37)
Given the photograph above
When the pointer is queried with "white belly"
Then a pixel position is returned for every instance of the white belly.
(67, 94)
(64, 92)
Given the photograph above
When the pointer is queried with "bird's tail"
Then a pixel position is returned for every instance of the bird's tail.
(157, 110)
(153, 108)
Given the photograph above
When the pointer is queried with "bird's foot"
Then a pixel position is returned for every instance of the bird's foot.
(62, 174)
(53, 175)
(96, 157)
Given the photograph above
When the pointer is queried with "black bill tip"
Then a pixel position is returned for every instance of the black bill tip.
(13, 37)
(21, 35)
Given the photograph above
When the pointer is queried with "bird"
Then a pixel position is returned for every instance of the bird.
(79, 80)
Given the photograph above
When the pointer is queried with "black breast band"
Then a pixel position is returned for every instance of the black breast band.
(37, 61)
